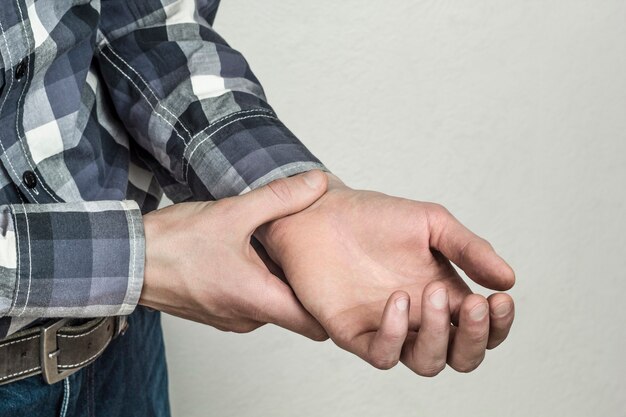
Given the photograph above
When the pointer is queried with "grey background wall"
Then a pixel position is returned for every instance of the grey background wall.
(510, 113)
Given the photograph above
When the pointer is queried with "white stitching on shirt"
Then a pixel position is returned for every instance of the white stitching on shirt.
(132, 225)
(110, 48)
(144, 96)
(17, 243)
(211, 124)
(214, 122)
(209, 136)
(6, 42)
(149, 89)
(185, 166)
(17, 111)
(30, 261)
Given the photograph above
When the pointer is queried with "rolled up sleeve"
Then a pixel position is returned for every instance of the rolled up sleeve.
(191, 101)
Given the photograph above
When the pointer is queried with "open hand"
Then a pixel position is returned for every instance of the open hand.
(375, 271)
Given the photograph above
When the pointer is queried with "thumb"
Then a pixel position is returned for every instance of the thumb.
(283, 197)
(473, 254)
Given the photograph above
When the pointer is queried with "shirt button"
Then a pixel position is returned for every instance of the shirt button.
(29, 179)
(20, 70)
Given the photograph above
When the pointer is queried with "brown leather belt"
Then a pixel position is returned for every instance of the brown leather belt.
(56, 350)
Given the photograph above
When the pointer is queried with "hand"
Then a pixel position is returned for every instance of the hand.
(375, 271)
(200, 264)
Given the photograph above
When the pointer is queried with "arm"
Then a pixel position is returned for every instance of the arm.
(56, 259)
(199, 119)
(193, 105)
(191, 102)
(200, 265)
(191, 111)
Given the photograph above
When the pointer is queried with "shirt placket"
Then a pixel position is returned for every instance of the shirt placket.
(17, 49)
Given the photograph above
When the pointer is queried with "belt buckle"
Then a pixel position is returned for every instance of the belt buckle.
(49, 353)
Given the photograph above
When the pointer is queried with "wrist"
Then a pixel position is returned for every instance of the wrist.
(149, 291)
(276, 234)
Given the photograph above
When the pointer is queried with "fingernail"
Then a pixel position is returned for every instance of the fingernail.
(439, 298)
(479, 312)
(402, 304)
(502, 310)
(312, 179)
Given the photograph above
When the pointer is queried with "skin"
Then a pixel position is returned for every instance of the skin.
(371, 271)
(200, 266)
(375, 271)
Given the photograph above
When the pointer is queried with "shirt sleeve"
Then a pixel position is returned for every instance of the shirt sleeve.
(191, 101)
(83, 259)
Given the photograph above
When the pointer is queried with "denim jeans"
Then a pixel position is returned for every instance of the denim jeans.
(129, 379)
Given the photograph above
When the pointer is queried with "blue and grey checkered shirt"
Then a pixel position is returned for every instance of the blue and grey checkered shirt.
(105, 105)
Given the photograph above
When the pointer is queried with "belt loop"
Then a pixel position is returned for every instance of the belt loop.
(121, 324)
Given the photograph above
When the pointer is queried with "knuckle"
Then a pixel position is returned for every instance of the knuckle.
(276, 231)
(341, 339)
(244, 328)
(281, 191)
(433, 286)
(478, 337)
(258, 310)
(383, 363)
(431, 370)
(494, 344)
(438, 218)
(393, 338)
(485, 242)
(319, 336)
(437, 211)
(468, 365)
(340, 332)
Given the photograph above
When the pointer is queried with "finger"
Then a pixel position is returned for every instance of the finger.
(261, 256)
(385, 346)
(426, 355)
(282, 197)
(502, 312)
(276, 303)
(457, 288)
(471, 253)
(467, 349)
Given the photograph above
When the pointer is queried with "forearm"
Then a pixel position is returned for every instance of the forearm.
(200, 265)
(192, 103)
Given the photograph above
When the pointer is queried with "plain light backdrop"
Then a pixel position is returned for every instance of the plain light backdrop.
(510, 113)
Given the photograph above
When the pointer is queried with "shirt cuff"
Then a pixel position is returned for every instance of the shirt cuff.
(82, 259)
(241, 152)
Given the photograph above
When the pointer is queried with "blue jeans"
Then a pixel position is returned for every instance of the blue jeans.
(129, 379)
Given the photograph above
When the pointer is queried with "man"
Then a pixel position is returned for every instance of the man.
(104, 105)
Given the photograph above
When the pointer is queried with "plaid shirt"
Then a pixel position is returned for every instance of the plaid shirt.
(103, 106)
